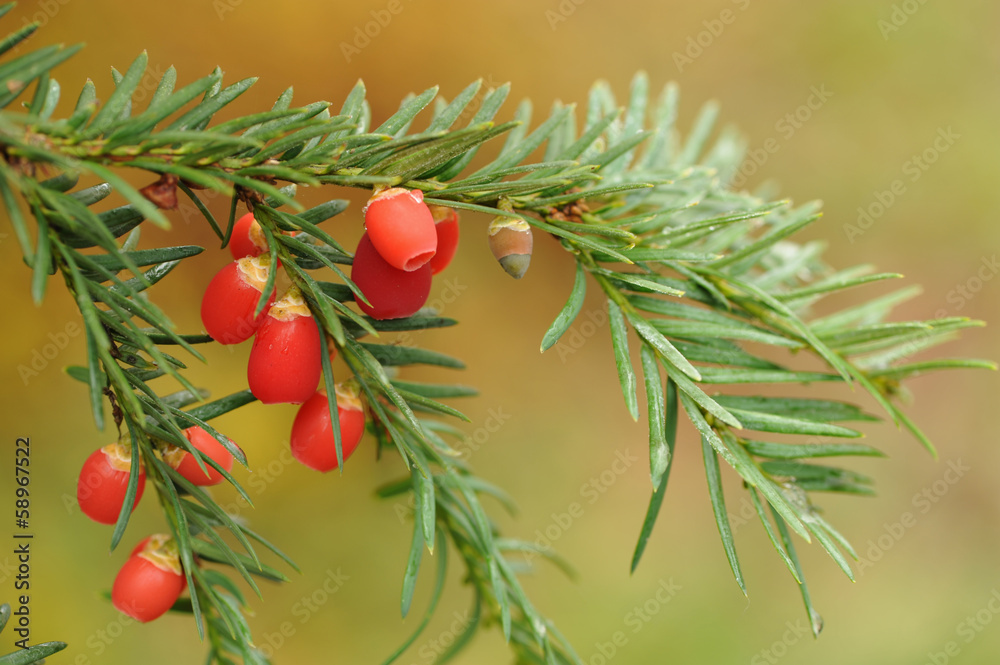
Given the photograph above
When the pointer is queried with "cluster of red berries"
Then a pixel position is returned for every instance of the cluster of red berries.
(151, 580)
(405, 243)
(285, 363)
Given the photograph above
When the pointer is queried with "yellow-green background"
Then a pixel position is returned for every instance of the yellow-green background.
(892, 92)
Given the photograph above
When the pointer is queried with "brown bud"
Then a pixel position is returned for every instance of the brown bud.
(163, 192)
(511, 242)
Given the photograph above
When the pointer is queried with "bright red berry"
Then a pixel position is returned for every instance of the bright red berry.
(103, 482)
(401, 227)
(312, 432)
(393, 293)
(227, 308)
(285, 362)
(446, 225)
(511, 242)
(247, 238)
(186, 465)
(150, 581)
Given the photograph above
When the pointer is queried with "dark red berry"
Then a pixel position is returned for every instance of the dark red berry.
(103, 482)
(401, 227)
(285, 362)
(150, 581)
(446, 225)
(227, 308)
(186, 465)
(247, 238)
(312, 432)
(393, 293)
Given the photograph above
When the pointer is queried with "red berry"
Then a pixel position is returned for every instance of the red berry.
(285, 362)
(401, 227)
(186, 465)
(231, 297)
(446, 225)
(150, 581)
(393, 293)
(103, 482)
(247, 238)
(312, 432)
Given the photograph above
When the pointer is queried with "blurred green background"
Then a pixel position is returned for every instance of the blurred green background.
(894, 76)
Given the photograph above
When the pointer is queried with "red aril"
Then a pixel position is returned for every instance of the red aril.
(247, 238)
(206, 444)
(285, 362)
(150, 581)
(393, 293)
(312, 438)
(103, 482)
(401, 227)
(227, 308)
(446, 225)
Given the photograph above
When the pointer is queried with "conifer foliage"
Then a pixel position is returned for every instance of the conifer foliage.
(699, 281)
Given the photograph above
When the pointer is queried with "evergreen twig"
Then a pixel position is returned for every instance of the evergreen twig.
(694, 268)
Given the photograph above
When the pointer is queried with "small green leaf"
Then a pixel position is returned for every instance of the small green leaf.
(396, 355)
(213, 552)
(768, 422)
(670, 433)
(569, 311)
(128, 504)
(797, 407)
(36, 653)
(435, 390)
(623, 362)
(719, 508)
(659, 452)
(815, 620)
(655, 338)
(120, 98)
(442, 570)
(742, 375)
(401, 119)
(788, 451)
(769, 530)
(413, 561)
